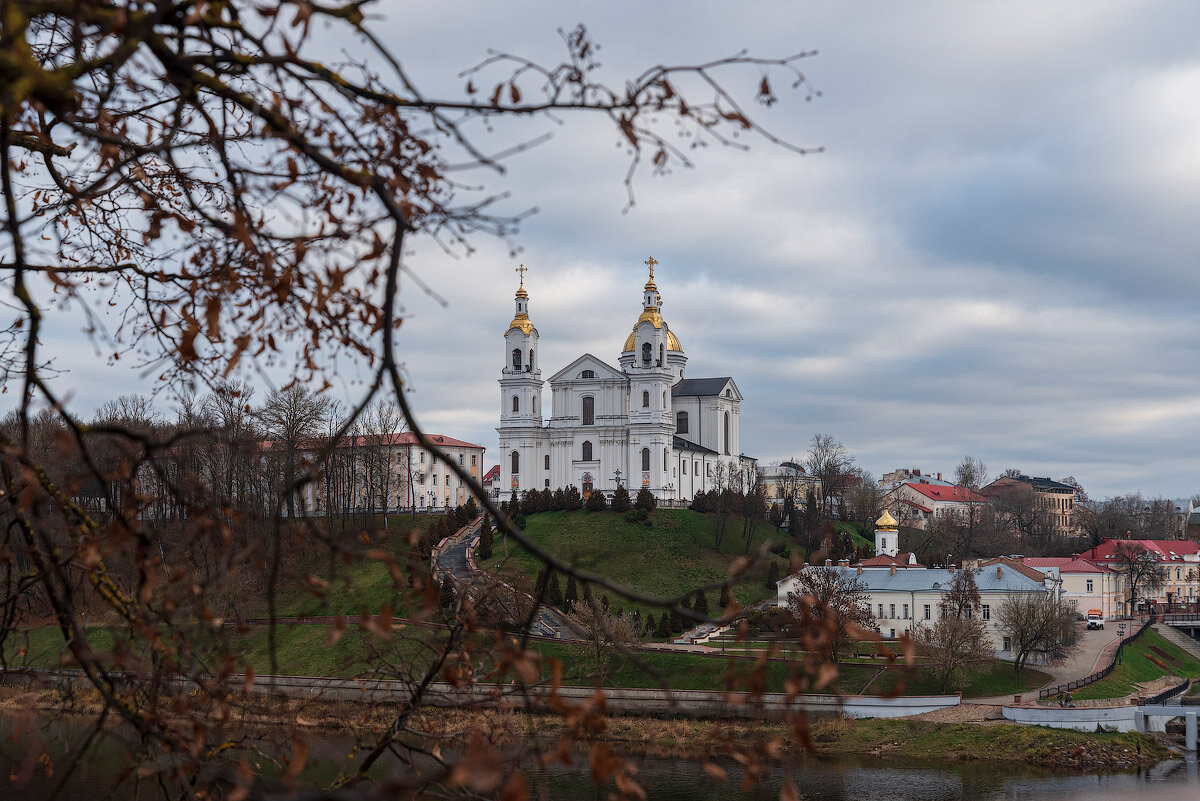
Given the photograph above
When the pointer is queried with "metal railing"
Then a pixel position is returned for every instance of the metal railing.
(1049, 692)
(1170, 692)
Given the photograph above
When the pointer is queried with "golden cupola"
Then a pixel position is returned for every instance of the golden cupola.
(652, 313)
(521, 317)
(886, 522)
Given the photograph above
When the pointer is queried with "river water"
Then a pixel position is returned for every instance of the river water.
(104, 772)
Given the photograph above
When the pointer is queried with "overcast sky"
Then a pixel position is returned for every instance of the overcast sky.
(994, 255)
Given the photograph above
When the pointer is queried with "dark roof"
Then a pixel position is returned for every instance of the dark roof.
(700, 386)
(681, 444)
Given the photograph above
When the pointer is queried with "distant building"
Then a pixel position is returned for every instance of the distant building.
(1180, 563)
(1085, 585)
(491, 483)
(903, 475)
(904, 601)
(391, 472)
(910, 502)
(788, 480)
(1052, 501)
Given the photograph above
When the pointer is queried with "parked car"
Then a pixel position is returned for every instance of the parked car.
(1095, 619)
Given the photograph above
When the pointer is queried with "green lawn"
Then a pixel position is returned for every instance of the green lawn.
(302, 651)
(675, 554)
(1138, 664)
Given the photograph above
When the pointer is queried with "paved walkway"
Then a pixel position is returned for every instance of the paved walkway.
(1095, 649)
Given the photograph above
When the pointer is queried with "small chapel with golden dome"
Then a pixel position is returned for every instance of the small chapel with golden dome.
(642, 423)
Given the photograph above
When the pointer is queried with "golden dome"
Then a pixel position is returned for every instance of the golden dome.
(653, 317)
(885, 522)
(521, 321)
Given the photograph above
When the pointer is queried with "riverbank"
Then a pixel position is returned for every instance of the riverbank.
(831, 737)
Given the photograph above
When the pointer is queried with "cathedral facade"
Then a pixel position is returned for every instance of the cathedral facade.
(640, 424)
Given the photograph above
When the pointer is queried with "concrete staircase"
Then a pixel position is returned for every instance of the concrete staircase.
(1172, 635)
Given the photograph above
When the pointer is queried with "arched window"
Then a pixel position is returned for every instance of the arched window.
(661, 351)
(645, 400)
(517, 360)
(516, 462)
(681, 423)
(646, 459)
(726, 433)
(684, 466)
(646, 351)
(664, 399)
(531, 359)
(589, 410)
(587, 451)
(516, 404)
(588, 374)
(666, 460)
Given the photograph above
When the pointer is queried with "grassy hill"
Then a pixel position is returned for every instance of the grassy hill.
(674, 554)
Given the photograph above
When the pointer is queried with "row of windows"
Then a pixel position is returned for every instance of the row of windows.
(515, 459)
(681, 418)
(927, 610)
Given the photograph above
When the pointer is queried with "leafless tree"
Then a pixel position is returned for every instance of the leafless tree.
(954, 645)
(831, 610)
(1037, 623)
(1141, 570)
(291, 419)
(971, 473)
(238, 200)
(829, 462)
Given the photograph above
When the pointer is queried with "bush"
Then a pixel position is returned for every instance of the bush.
(620, 500)
(519, 521)
(636, 515)
(547, 501)
(531, 502)
(595, 502)
(558, 501)
(645, 500)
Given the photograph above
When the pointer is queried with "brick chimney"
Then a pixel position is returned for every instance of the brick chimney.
(843, 563)
(828, 563)
(892, 572)
(860, 570)
(998, 572)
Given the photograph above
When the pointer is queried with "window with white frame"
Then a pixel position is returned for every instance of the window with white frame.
(1089, 585)
(927, 610)
(987, 612)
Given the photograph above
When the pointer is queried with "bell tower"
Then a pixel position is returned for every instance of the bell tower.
(651, 373)
(521, 448)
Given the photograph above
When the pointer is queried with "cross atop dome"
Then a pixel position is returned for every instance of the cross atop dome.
(521, 293)
(651, 262)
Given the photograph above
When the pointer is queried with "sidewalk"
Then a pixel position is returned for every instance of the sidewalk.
(1094, 650)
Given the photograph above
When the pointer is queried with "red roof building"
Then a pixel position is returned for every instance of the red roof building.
(913, 503)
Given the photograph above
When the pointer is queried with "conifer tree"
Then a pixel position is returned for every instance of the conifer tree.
(700, 604)
(595, 502)
(559, 502)
(772, 575)
(676, 622)
(604, 601)
(555, 590)
(620, 500)
(574, 498)
(485, 539)
(471, 509)
(664, 626)
(531, 502)
(572, 596)
(446, 595)
(645, 500)
(725, 599)
(546, 502)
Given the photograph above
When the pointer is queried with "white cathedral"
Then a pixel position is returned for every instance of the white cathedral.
(642, 425)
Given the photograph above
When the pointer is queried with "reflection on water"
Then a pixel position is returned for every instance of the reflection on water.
(105, 770)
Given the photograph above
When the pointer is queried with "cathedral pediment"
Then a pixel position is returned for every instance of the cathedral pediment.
(578, 369)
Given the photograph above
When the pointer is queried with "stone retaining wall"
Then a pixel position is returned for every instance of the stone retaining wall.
(684, 703)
